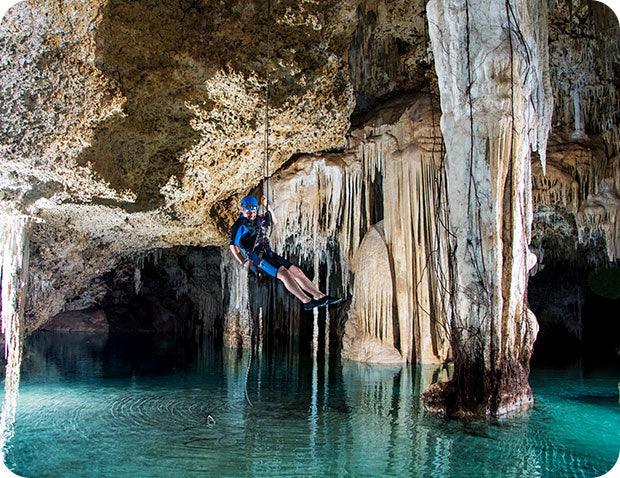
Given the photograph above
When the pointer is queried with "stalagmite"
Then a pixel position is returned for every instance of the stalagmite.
(579, 131)
(403, 148)
(417, 241)
(369, 332)
(14, 231)
(492, 66)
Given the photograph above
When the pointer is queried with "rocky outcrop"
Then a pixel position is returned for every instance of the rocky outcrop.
(79, 321)
(156, 106)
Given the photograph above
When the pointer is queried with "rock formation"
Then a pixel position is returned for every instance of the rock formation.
(412, 162)
(14, 260)
(374, 213)
(489, 139)
(583, 171)
(131, 126)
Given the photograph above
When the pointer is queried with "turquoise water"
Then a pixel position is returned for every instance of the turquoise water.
(94, 408)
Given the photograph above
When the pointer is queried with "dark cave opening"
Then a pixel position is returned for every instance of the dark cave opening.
(169, 291)
(575, 322)
(184, 293)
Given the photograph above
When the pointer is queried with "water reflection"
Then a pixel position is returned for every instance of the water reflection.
(178, 408)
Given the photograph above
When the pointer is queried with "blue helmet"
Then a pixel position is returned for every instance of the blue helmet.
(249, 203)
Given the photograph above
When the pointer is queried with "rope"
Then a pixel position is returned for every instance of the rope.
(263, 233)
(266, 168)
(265, 230)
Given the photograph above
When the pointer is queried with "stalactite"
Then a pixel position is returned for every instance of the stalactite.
(406, 154)
(583, 48)
(418, 248)
(578, 179)
(15, 259)
(137, 278)
(315, 312)
(318, 203)
(601, 212)
(237, 316)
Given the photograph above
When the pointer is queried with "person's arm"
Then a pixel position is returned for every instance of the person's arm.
(274, 220)
(236, 251)
(234, 248)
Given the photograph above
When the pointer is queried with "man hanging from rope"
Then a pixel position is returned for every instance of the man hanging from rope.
(250, 246)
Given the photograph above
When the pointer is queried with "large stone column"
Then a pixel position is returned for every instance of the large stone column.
(492, 66)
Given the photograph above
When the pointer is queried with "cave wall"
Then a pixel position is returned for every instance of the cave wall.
(582, 177)
(389, 51)
(174, 291)
(577, 199)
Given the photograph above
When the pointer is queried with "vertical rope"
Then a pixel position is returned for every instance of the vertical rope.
(266, 181)
(266, 167)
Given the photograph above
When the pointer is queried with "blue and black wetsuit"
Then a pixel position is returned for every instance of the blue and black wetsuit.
(248, 236)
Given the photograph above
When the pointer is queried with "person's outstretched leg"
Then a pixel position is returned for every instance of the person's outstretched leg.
(308, 286)
(305, 283)
(293, 287)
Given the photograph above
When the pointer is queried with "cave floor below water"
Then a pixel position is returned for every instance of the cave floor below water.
(93, 407)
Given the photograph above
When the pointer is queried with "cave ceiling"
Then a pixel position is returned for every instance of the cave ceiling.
(141, 123)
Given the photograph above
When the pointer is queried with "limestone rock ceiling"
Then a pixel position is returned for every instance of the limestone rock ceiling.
(127, 126)
(157, 108)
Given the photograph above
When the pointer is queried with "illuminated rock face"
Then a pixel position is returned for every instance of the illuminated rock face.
(372, 217)
(153, 107)
(129, 126)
